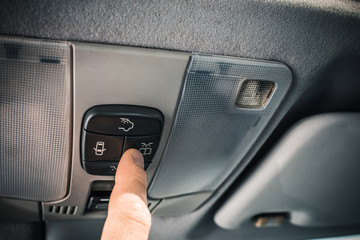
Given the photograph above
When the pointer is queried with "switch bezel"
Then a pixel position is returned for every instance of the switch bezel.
(104, 121)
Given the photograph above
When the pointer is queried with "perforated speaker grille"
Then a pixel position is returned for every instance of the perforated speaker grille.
(35, 118)
(211, 135)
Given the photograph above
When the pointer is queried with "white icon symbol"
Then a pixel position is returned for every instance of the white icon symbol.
(126, 124)
(99, 148)
(113, 168)
(146, 148)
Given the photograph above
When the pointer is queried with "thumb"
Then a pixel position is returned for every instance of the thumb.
(128, 214)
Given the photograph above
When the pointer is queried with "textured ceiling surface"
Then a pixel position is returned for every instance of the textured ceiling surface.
(302, 34)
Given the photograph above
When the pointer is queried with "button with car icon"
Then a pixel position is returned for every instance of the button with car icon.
(123, 120)
(125, 124)
(99, 147)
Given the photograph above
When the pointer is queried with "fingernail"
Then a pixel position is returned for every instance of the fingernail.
(138, 158)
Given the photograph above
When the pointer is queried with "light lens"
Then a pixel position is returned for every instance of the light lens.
(255, 94)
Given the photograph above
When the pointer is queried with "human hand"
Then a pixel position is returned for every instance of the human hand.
(128, 214)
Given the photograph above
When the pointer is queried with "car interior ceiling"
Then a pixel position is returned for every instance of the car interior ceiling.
(246, 113)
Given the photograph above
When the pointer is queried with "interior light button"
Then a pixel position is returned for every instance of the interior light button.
(147, 145)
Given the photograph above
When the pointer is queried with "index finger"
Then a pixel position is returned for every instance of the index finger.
(130, 175)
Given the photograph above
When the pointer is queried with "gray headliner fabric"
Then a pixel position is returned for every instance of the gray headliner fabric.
(272, 30)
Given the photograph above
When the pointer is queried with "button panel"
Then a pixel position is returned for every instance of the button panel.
(108, 131)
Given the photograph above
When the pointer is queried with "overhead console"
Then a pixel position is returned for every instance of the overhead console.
(123, 98)
(195, 118)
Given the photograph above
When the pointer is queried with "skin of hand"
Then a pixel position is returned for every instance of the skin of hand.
(128, 214)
